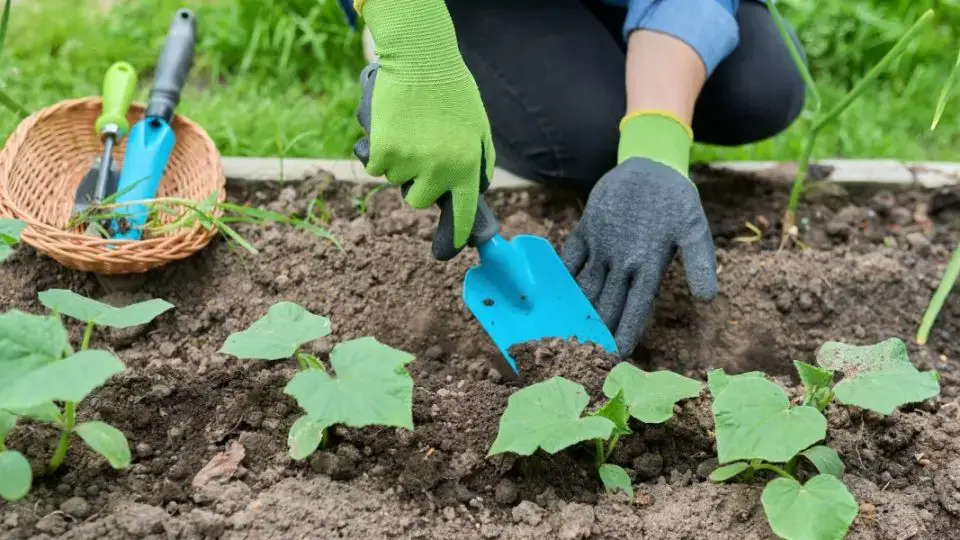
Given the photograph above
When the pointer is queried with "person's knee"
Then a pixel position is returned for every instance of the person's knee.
(757, 92)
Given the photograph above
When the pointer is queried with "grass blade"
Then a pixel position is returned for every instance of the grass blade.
(876, 70)
(939, 297)
(945, 93)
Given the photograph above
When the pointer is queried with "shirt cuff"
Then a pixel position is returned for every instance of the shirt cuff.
(708, 26)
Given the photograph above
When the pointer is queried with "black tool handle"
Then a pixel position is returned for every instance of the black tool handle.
(174, 65)
(485, 226)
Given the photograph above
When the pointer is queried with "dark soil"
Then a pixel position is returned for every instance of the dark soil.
(872, 262)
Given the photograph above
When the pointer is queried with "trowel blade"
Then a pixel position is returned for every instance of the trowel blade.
(551, 306)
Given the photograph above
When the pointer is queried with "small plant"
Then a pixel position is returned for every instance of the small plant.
(39, 370)
(757, 429)
(10, 230)
(549, 415)
(822, 119)
(369, 386)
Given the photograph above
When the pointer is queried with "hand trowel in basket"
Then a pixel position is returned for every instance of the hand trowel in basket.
(521, 291)
(112, 125)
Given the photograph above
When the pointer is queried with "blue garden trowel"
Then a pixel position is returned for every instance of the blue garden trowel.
(521, 291)
(151, 140)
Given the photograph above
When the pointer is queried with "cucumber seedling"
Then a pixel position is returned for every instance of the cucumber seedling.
(757, 429)
(39, 371)
(549, 415)
(370, 385)
(10, 230)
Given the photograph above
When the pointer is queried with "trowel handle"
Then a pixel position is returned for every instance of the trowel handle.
(485, 226)
(119, 84)
(174, 65)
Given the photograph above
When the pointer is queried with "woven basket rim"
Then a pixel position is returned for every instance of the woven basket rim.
(114, 255)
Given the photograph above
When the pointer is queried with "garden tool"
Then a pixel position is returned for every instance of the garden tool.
(101, 180)
(151, 140)
(521, 291)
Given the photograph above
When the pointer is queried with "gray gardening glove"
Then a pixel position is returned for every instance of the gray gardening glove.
(637, 216)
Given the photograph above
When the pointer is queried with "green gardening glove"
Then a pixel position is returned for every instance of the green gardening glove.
(425, 124)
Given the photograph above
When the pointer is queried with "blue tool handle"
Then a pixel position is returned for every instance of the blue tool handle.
(149, 146)
(174, 65)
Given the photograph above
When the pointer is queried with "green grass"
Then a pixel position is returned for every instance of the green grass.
(279, 77)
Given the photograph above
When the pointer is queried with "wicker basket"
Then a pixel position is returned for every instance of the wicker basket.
(47, 156)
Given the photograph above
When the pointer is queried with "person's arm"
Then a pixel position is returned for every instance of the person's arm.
(672, 47)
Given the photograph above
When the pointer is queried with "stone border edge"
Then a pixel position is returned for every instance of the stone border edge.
(878, 172)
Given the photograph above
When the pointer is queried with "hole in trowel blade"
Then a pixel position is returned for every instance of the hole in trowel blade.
(488, 302)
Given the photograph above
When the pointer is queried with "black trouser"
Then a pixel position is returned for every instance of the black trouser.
(552, 79)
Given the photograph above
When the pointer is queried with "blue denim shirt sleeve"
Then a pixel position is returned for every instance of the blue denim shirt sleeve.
(708, 26)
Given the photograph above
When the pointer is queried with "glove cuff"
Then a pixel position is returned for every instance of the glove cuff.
(415, 40)
(656, 135)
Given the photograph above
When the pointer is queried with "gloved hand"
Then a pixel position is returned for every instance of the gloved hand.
(425, 124)
(637, 216)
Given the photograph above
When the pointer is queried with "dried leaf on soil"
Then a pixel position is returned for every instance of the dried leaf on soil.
(278, 334)
(877, 377)
(70, 379)
(15, 475)
(615, 478)
(88, 310)
(221, 467)
(754, 420)
(821, 509)
(107, 441)
(650, 396)
(305, 437)
(371, 387)
(726, 472)
(825, 459)
(547, 415)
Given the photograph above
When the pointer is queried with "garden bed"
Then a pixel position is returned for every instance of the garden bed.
(873, 260)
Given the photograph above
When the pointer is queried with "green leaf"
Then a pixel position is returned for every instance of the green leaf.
(28, 342)
(107, 441)
(10, 230)
(754, 420)
(88, 310)
(5, 252)
(825, 459)
(278, 334)
(616, 411)
(650, 396)
(371, 387)
(7, 421)
(305, 437)
(812, 377)
(821, 509)
(547, 415)
(70, 379)
(726, 472)
(615, 478)
(717, 379)
(877, 377)
(15, 475)
(45, 412)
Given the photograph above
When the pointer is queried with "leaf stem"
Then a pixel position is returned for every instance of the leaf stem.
(87, 335)
(599, 456)
(69, 415)
(611, 446)
(770, 467)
